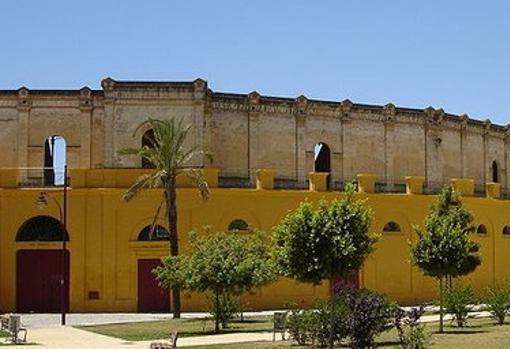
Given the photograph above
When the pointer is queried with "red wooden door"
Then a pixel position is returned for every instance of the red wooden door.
(38, 275)
(340, 283)
(151, 297)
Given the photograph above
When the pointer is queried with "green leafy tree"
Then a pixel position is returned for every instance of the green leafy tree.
(443, 249)
(313, 244)
(222, 265)
(169, 155)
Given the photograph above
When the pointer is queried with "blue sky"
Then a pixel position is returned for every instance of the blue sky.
(450, 54)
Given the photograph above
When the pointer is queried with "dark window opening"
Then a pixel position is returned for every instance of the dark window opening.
(481, 230)
(392, 227)
(41, 228)
(148, 140)
(506, 230)
(55, 159)
(238, 225)
(495, 172)
(154, 233)
(322, 160)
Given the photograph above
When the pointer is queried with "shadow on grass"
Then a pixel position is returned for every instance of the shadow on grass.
(223, 331)
(388, 344)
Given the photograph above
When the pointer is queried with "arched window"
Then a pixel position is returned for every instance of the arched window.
(153, 233)
(481, 230)
(506, 230)
(495, 172)
(321, 157)
(148, 140)
(55, 159)
(41, 228)
(238, 225)
(391, 227)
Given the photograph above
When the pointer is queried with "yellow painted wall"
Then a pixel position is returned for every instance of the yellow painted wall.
(104, 251)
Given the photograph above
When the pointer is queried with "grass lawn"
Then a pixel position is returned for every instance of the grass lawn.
(4, 334)
(481, 333)
(148, 330)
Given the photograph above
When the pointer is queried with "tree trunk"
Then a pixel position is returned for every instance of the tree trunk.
(331, 342)
(217, 317)
(441, 305)
(170, 199)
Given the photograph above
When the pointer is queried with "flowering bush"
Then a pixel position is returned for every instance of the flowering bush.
(369, 315)
(410, 331)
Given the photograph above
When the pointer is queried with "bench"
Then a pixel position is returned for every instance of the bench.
(12, 324)
(170, 344)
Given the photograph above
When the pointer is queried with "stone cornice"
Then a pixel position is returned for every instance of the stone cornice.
(143, 92)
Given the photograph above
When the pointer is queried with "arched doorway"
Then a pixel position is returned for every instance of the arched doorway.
(322, 159)
(495, 172)
(151, 297)
(55, 159)
(39, 272)
(149, 141)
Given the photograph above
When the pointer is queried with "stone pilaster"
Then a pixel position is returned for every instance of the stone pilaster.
(24, 105)
(389, 113)
(345, 109)
(505, 175)
(487, 175)
(253, 101)
(86, 106)
(199, 100)
(301, 160)
(463, 142)
(433, 150)
(108, 85)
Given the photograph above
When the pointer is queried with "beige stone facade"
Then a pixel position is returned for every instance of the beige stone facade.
(248, 132)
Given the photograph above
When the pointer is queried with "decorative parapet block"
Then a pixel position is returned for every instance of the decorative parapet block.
(463, 186)
(318, 181)
(211, 176)
(265, 179)
(77, 177)
(414, 184)
(94, 178)
(493, 190)
(8, 178)
(366, 183)
(125, 178)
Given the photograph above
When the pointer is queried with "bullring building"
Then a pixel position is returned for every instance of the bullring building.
(269, 154)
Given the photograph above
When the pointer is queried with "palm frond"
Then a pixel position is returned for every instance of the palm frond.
(144, 181)
(154, 220)
(199, 182)
(169, 154)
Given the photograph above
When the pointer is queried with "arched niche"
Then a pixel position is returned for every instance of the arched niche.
(41, 228)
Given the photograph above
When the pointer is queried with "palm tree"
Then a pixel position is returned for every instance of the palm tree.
(168, 155)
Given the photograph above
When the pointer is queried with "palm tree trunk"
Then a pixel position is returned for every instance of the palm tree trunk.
(170, 198)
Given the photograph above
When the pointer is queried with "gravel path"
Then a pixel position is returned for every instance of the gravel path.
(79, 319)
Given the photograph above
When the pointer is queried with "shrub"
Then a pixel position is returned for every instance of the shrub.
(299, 325)
(497, 302)
(322, 321)
(410, 331)
(369, 315)
(458, 299)
(313, 326)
